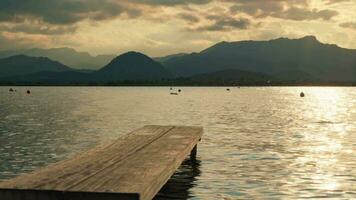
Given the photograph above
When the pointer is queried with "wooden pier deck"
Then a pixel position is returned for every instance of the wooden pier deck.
(133, 167)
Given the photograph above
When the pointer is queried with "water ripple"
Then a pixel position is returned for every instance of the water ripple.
(259, 143)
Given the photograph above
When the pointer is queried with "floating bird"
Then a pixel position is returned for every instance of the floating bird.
(174, 93)
(179, 90)
(228, 89)
(11, 90)
(28, 92)
(302, 94)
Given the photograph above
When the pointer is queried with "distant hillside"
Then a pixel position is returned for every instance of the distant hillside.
(165, 58)
(307, 55)
(232, 76)
(67, 56)
(24, 65)
(295, 76)
(46, 77)
(132, 66)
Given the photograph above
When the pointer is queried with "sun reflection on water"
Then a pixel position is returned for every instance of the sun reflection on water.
(320, 160)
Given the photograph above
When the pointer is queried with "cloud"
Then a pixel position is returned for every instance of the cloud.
(37, 28)
(328, 2)
(224, 23)
(110, 23)
(285, 9)
(171, 2)
(69, 12)
(350, 25)
(300, 14)
(188, 17)
(15, 41)
(63, 11)
(72, 11)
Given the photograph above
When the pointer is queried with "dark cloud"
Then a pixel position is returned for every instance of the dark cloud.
(351, 25)
(299, 14)
(256, 8)
(68, 12)
(225, 23)
(285, 9)
(61, 11)
(72, 11)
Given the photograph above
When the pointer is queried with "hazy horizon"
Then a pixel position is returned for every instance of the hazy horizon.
(164, 55)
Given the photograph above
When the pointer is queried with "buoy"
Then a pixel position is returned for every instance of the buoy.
(302, 94)
(11, 90)
(228, 89)
(179, 90)
(28, 92)
(171, 89)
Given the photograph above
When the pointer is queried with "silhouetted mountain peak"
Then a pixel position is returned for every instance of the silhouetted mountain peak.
(311, 39)
(131, 58)
(230, 46)
(131, 55)
(133, 66)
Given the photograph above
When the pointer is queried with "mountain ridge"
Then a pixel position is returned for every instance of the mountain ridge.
(285, 60)
(324, 61)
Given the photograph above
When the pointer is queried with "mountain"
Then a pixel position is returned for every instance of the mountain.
(50, 78)
(295, 76)
(67, 56)
(165, 58)
(23, 65)
(132, 66)
(307, 55)
(280, 61)
(232, 76)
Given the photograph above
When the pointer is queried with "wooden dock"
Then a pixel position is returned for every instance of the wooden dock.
(133, 167)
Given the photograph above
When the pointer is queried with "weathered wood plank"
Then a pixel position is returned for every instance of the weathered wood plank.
(13, 194)
(138, 164)
(62, 175)
(145, 171)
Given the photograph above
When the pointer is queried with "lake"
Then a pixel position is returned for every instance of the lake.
(259, 142)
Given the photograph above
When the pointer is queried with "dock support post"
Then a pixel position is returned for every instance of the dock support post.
(193, 153)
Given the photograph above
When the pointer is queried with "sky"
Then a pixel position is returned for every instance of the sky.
(163, 27)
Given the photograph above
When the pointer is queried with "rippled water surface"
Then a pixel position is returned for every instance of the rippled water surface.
(259, 143)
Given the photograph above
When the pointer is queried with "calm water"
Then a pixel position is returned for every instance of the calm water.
(259, 143)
